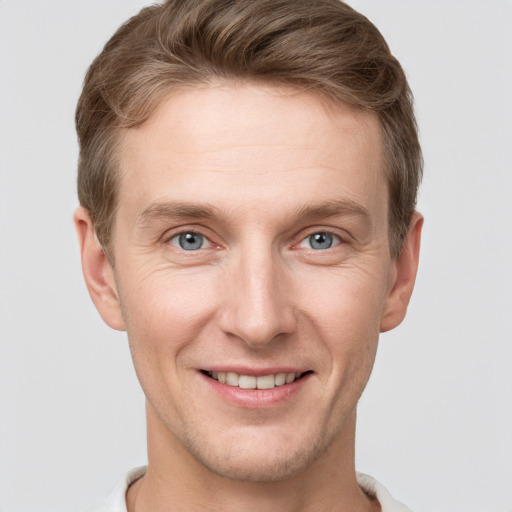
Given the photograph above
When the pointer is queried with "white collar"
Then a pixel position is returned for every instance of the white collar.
(116, 502)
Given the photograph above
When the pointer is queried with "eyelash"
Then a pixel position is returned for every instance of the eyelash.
(177, 236)
(336, 240)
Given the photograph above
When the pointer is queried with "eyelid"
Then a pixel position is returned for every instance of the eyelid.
(206, 241)
(337, 240)
(174, 233)
(340, 234)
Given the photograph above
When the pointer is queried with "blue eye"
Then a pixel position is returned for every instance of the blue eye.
(320, 241)
(190, 241)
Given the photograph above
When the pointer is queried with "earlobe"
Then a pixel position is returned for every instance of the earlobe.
(405, 269)
(97, 271)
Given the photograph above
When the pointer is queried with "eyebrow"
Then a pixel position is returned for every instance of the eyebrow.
(184, 210)
(326, 209)
(175, 210)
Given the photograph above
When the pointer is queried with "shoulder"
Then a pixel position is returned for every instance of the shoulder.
(116, 501)
(376, 490)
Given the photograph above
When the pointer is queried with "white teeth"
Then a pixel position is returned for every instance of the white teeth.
(265, 382)
(232, 378)
(280, 379)
(252, 382)
(290, 377)
(247, 382)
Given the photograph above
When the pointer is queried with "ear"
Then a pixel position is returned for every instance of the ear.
(98, 273)
(404, 274)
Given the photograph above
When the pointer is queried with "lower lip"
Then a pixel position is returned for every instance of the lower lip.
(256, 398)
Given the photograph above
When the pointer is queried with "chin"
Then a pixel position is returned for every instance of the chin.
(243, 468)
(258, 460)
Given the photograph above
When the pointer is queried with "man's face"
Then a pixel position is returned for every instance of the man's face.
(251, 245)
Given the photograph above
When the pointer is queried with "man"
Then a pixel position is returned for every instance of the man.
(247, 178)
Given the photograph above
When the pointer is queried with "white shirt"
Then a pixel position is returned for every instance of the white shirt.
(116, 502)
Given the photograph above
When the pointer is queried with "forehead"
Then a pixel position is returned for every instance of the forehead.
(247, 145)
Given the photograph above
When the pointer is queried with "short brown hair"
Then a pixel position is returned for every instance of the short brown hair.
(322, 46)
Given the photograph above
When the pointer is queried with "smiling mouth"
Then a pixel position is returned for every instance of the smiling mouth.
(252, 382)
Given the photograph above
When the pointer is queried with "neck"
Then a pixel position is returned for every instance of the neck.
(175, 480)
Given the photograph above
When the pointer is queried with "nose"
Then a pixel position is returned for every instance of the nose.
(258, 305)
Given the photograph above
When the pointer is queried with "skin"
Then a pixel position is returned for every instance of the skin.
(255, 171)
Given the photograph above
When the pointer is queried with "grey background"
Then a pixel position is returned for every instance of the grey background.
(435, 423)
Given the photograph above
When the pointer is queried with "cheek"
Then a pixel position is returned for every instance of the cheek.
(345, 308)
(163, 318)
(165, 298)
(164, 313)
(348, 299)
